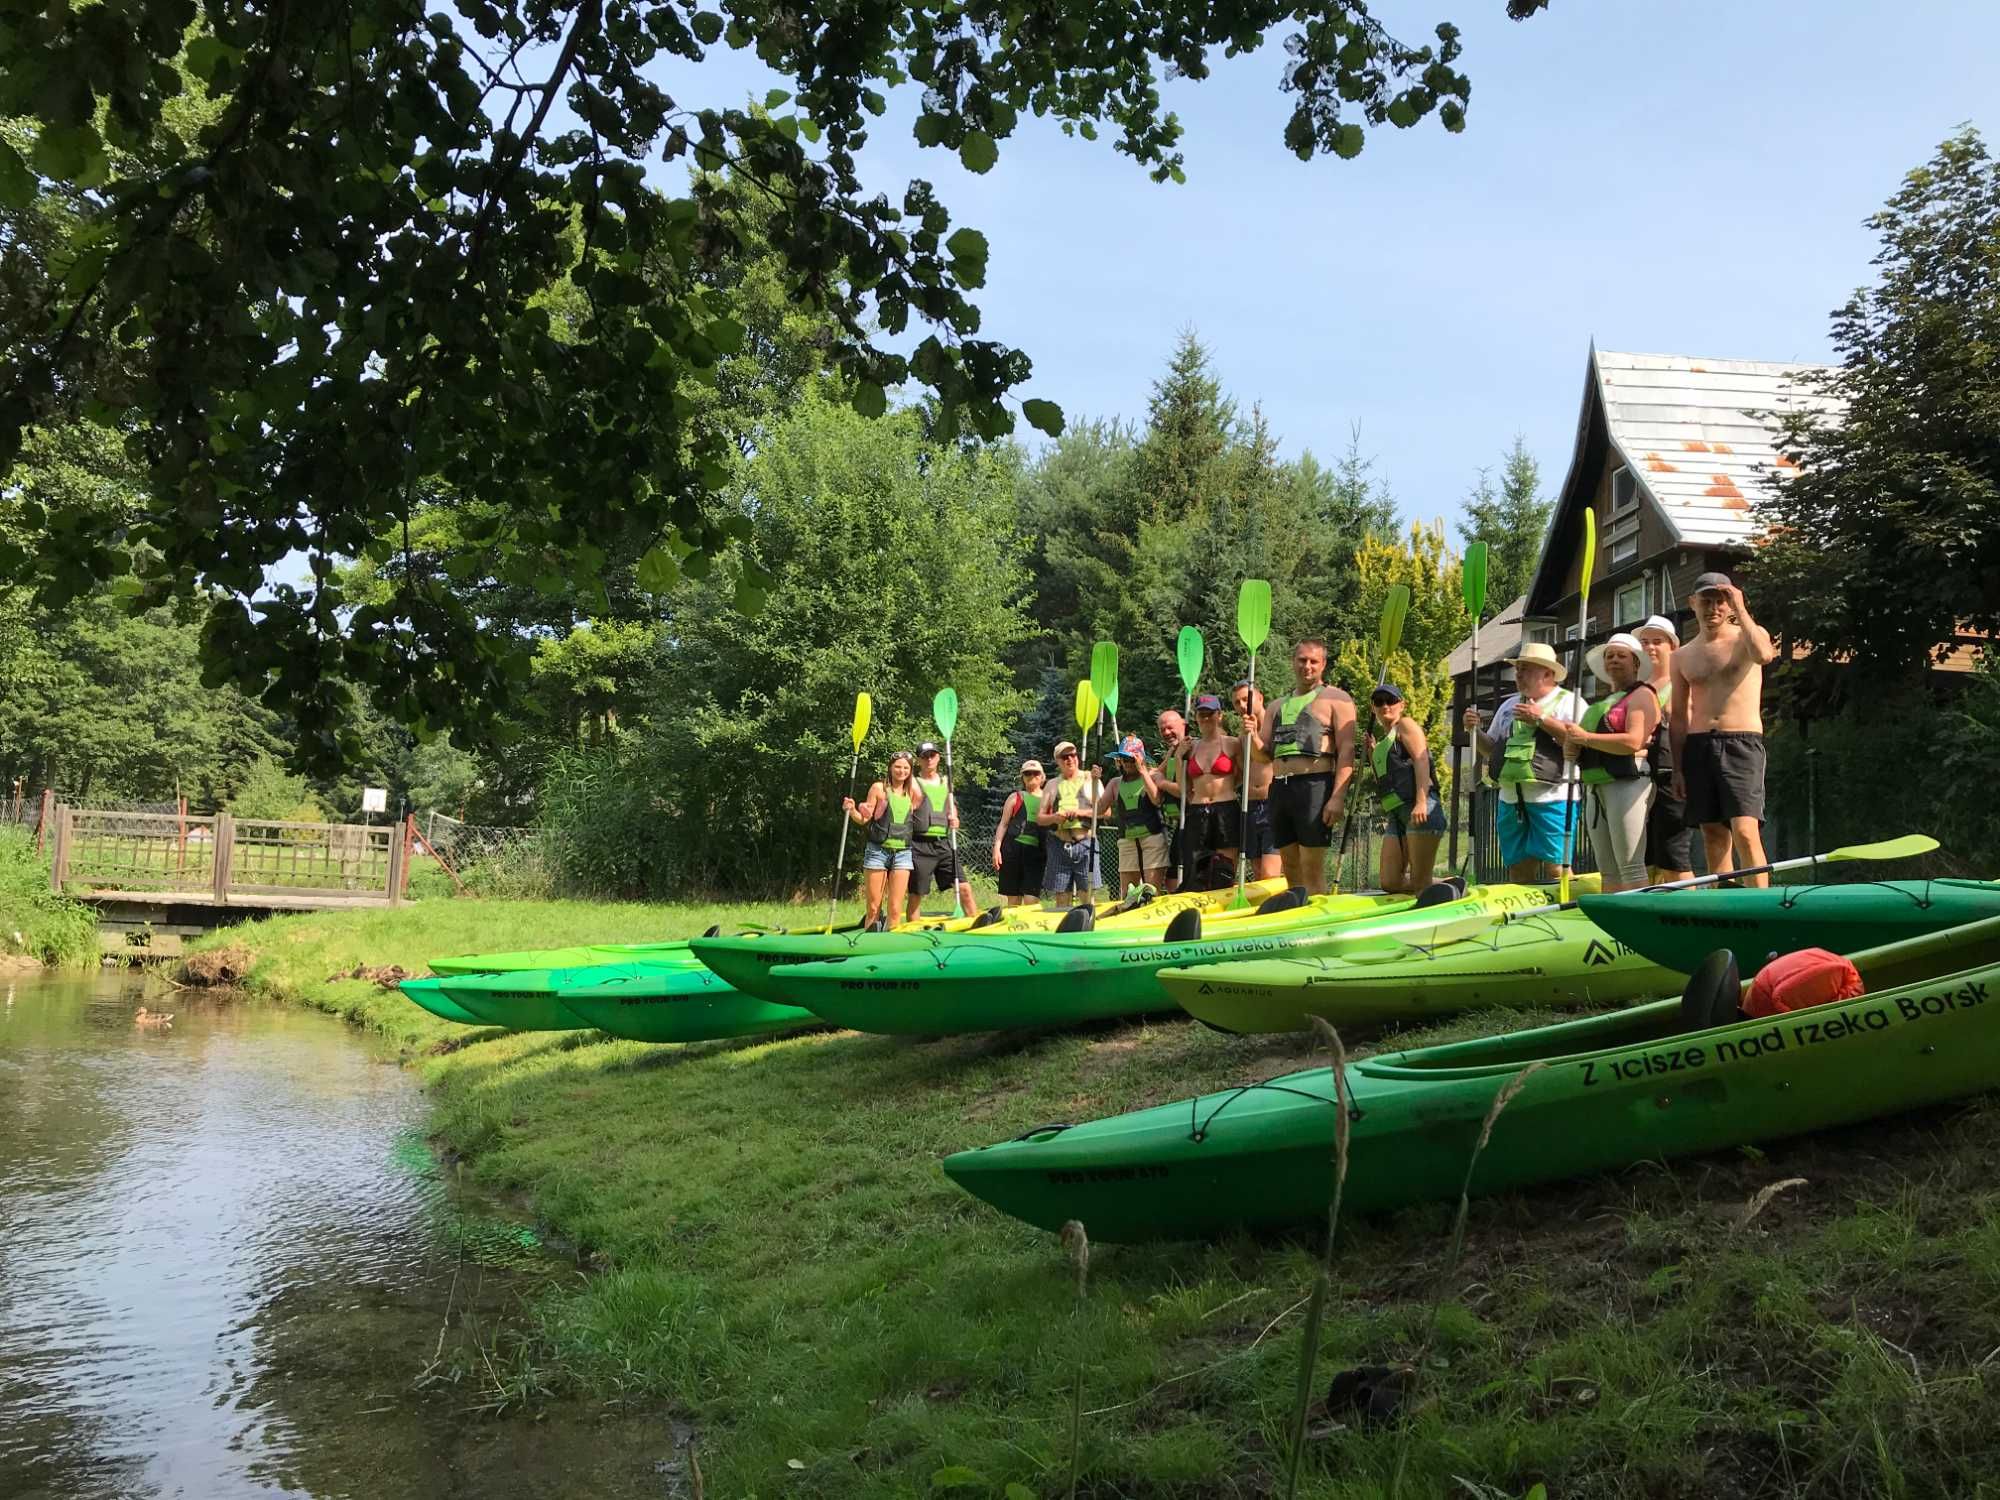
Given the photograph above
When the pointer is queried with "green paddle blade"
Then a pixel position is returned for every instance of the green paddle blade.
(944, 708)
(1589, 550)
(1909, 846)
(864, 710)
(1474, 572)
(1395, 610)
(1104, 674)
(1086, 705)
(1189, 652)
(1253, 611)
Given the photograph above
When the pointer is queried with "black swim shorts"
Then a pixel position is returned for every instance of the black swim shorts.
(1669, 840)
(1724, 770)
(1211, 826)
(1298, 803)
(1257, 838)
(934, 862)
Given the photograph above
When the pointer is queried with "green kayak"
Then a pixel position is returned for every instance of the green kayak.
(745, 962)
(1681, 928)
(1560, 959)
(520, 1002)
(669, 1003)
(613, 953)
(1042, 979)
(432, 998)
(1634, 1085)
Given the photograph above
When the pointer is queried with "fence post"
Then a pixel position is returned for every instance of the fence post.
(225, 855)
(399, 860)
(59, 847)
(42, 823)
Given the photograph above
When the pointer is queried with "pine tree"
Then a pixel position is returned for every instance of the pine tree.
(1188, 428)
(1511, 521)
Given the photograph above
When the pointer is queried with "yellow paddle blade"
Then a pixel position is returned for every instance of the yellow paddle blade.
(1589, 547)
(864, 710)
(1909, 846)
(1086, 705)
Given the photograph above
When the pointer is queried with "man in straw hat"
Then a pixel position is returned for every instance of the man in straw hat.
(1718, 725)
(1527, 761)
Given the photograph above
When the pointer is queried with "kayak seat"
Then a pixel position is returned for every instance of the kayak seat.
(1185, 927)
(1285, 900)
(1078, 919)
(1437, 893)
(986, 918)
(1712, 993)
(714, 929)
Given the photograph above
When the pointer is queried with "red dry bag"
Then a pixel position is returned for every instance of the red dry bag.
(1799, 981)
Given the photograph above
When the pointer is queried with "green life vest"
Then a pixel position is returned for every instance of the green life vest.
(1532, 753)
(891, 825)
(1069, 802)
(935, 800)
(1297, 730)
(1029, 832)
(1135, 811)
(1395, 774)
(1603, 766)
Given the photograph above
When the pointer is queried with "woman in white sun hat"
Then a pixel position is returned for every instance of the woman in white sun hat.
(1526, 756)
(1610, 744)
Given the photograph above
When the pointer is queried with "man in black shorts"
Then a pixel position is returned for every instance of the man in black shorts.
(930, 846)
(1310, 739)
(1718, 726)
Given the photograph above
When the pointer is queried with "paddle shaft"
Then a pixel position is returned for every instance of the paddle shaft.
(951, 822)
(1243, 771)
(1801, 862)
(840, 855)
(1181, 779)
(1575, 789)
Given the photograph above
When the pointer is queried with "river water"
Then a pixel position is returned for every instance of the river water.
(230, 1266)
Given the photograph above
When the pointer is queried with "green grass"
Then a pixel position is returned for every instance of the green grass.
(34, 921)
(785, 1266)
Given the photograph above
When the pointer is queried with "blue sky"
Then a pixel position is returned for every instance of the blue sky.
(1687, 177)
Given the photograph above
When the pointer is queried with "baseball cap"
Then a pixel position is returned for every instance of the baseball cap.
(1660, 625)
(1208, 702)
(1065, 747)
(1388, 692)
(1708, 581)
(928, 747)
(1132, 747)
(1032, 765)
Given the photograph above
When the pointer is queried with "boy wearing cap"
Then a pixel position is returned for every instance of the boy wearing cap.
(1669, 841)
(1718, 725)
(1131, 804)
(1017, 843)
(1528, 763)
(1069, 850)
(936, 863)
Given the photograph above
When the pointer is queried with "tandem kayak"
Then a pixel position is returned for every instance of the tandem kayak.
(1680, 928)
(1037, 979)
(646, 1002)
(1559, 959)
(745, 962)
(1634, 1085)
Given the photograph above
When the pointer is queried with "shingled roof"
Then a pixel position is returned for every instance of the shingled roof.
(1694, 432)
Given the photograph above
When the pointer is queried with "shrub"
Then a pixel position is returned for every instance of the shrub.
(51, 928)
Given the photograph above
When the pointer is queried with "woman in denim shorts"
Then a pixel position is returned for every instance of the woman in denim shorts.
(1400, 756)
(890, 814)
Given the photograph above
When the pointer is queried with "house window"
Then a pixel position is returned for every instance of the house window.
(1631, 602)
(1542, 631)
(1624, 491)
(1622, 544)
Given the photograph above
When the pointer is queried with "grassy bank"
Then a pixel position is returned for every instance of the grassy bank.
(35, 923)
(786, 1267)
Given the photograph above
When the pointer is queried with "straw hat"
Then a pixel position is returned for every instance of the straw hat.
(1538, 654)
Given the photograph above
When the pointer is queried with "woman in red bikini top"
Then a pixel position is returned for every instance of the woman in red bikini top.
(1211, 763)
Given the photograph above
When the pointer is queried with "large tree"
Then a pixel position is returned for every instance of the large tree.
(332, 297)
(1511, 520)
(1883, 538)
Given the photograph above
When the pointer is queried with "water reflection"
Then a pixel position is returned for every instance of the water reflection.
(221, 1270)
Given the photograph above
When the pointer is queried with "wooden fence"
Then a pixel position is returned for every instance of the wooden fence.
(219, 859)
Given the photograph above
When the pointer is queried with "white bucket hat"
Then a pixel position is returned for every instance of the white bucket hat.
(1662, 625)
(1539, 654)
(1594, 657)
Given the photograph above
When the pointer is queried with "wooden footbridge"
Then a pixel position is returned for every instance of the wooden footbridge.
(157, 878)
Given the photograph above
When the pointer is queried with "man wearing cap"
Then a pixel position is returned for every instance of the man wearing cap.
(1131, 804)
(1173, 731)
(1018, 859)
(1310, 739)
(1526, 759)
(1070, 861)
(1718, 725)
(1260, 845)
(936, 864)
(1669, 840)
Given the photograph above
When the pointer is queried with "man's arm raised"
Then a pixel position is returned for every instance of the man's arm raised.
(1752, 639)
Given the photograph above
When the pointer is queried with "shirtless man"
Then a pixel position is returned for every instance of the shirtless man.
(1718, 725)
(1310, 739)
(1260, 849)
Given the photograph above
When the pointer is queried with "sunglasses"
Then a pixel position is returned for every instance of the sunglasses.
(1030, 775)
(1067, 755)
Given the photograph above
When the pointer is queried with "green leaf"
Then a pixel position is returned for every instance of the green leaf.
(809, 128)
(978, 152)
(956, 1477)
(1347, 142)
(206, 55)
(1043, 416)
(17, 183)
(1018, 1491)
(776, 97)
(707, 26)
(658, 571)
(1402, 113)
(73, 154)
(967, 244)
(869, 399)
(1000, 117)
(929, 129)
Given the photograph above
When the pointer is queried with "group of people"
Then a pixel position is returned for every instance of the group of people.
(1675, 744)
